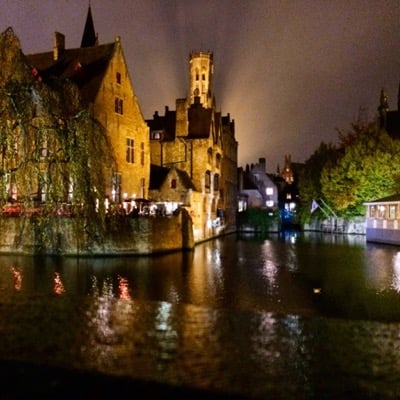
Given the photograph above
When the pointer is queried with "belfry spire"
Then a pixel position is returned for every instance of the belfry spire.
(89, 38)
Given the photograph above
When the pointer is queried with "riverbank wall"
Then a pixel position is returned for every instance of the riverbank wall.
(121, 235)
(353, 226)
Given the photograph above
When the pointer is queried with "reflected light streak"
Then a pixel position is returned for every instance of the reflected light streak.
(270, 269)
(123, 287)
(396, 272)
(58, 285)
(17, 278)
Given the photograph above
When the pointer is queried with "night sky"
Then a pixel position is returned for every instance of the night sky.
(290, 73)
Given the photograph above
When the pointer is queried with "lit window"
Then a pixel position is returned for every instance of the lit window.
(269, 203)
(130, 158)
(269, 191)
(156, 135)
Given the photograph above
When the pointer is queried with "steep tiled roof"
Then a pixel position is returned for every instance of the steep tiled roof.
(388, 199)
(157, 176)
(186, 181)
(85, 66)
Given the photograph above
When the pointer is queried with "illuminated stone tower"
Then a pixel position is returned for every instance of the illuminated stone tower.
(201, 70)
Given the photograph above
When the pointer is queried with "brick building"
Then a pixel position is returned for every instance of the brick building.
(101, 74)
(198, 141)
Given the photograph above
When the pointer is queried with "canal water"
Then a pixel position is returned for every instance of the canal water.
(288, 316)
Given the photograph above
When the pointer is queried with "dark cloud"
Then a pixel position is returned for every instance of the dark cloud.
(289, 72)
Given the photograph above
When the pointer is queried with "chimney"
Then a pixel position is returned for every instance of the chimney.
(59, 45)
(263, 163)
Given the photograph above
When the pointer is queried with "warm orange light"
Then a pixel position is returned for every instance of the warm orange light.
(123, 287)
(58, 285)
(17, 278)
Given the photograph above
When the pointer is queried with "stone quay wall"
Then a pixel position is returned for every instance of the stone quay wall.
(123, 235)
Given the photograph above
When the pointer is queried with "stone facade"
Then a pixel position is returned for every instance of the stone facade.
(123, 235)
(200, 142)
(105, 86)
(126, 127)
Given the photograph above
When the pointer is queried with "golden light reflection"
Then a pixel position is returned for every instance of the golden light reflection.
(396, 272)
(17, 275)
(58, 285)
(123, 287)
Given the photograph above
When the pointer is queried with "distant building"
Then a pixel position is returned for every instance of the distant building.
(389, 119)
(257, 188)
(197, 142)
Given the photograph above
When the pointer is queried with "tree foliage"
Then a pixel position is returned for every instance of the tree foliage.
(367, 170)
(309, 178)
(51, 150)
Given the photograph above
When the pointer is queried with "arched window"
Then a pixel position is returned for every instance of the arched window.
(207, 180)
(209, 155)
(216, 182)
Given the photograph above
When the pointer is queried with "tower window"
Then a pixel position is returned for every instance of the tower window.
(216, 182)
(119, 105)
(207, 180)
(118, 78)
(173, 183)
(130, 156)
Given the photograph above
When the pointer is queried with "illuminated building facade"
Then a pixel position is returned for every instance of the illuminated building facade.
(197, 140)
(101, 73)
(256, 187)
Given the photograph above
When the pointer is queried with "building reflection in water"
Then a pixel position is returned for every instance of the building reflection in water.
(123, 288)
(396, 272)
(58, 285)
(17, 276)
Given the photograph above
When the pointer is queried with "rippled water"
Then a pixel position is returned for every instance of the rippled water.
(284, 317)
(306, 274)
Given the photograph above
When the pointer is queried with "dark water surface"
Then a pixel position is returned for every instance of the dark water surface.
(306, 274)
(295, 316)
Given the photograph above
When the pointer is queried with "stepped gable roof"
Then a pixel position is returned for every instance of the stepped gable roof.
(84, 66)
(166, 124)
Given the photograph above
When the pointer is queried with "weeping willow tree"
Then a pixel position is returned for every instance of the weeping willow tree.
(52, 152)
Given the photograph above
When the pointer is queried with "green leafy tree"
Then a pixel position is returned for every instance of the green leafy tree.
(368, 169)
(309, 180)
(51, 150)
